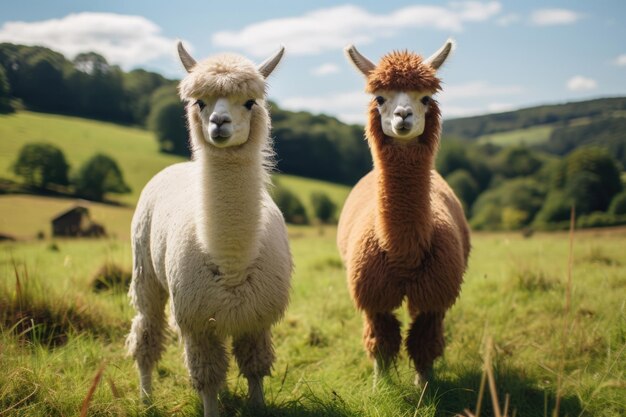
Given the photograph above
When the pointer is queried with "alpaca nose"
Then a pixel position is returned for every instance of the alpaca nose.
(402, 112)
(219, 119)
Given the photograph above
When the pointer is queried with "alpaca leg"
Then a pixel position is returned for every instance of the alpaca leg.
(145, 342)
(255, 356)
(205, 357)
(425, 343)
(382, 339)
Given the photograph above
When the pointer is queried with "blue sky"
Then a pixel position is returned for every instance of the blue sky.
(509, 54)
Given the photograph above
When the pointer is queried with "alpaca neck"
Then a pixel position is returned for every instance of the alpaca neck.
(231, 214)
(403, 220)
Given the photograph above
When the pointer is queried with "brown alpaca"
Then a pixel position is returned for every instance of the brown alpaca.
(402, 232)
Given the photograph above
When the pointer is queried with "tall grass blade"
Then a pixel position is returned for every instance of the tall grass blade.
(92, 390)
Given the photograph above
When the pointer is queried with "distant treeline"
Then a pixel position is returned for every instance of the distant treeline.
(41, 79)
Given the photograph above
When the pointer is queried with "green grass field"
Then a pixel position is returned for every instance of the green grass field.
(529, 136)
(514, 292)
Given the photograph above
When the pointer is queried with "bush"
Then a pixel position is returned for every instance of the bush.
(600, 219)
(323, 207)
(517, 161)
(592, 178)
(556, 208)
(464, 186)
(100, 175)
(291, 206)
(618, 204)
(512, 205)
(112, 277)
(41, 164)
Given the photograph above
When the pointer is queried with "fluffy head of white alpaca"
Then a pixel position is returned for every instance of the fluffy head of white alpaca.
(225, 97)
(402, 85)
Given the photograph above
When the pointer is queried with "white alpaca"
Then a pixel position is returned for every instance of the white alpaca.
(207, 235)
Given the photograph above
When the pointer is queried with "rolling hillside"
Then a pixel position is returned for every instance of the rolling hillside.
(135, 150)
(556, 129)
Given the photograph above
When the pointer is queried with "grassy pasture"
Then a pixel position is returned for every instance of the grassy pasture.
(528, 136)
(514, 292)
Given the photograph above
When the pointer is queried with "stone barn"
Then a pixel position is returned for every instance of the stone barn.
(76, 222)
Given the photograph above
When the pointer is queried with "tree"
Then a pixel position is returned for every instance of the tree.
(465, 187)
(290, 205)
(5, 93)
(100, 175)
(41, 164)
(512, 204)
(517, 161)
(618, 204)
(323, 207)
(167, 121)
(592, 178)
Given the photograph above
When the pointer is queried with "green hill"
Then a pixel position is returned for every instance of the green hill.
(136, 151)
(556, 129)
(569, 114)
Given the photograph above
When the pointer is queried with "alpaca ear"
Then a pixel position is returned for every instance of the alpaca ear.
(437, 59)
(185, 58)
(267, 66)
(359, 61)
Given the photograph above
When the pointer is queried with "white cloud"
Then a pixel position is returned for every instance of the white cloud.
(550, 17)
(478, 89)
(325, 69)
(580, 83)
(344, 105)
(508, 19)
(122, 39)
(499, 107)
(621, 60)
(333, 28)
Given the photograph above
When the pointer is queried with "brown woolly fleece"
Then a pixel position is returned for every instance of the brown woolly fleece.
(411, 240)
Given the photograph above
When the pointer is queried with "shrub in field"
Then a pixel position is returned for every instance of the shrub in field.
(556, 208)
(511, 205)
(111, 276)
(618, 204)
(100, 175)
(41, 164)
(323, 207)
(465, 187)
(290, 205)
(600, 219)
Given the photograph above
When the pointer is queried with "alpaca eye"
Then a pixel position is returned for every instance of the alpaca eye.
(248, 105)
(380, 100)
(425, 100)
(200, 104)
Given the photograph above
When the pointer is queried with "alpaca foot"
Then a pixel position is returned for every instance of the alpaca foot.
(255, 392)
(209, 401)
(423, 377)
(381, 371)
